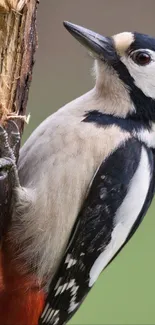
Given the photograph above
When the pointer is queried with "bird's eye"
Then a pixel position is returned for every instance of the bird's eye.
(141, 58)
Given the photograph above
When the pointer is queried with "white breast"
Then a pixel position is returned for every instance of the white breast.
(126, 215)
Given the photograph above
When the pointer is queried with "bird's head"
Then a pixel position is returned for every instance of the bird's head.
(124, 62)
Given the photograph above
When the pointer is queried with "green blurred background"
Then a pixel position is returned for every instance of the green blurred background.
(125, 292)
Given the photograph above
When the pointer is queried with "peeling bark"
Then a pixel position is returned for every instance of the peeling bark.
(17, 47)
(18, 41)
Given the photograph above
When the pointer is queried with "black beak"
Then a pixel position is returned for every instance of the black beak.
(101, 47)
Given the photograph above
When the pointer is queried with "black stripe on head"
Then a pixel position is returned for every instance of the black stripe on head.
(145, 106)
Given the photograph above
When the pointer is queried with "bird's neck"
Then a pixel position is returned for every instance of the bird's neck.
(21, 300)
(124, 96)
(120, 109)
(100, 100)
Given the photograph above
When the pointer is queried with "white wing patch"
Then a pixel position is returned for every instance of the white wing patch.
(73, 303)
(125, 216)
(70, 261)
(61, 289)
(53, 313)
(50, 313)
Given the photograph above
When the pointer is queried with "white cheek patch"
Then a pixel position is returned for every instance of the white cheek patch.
(144, 76)
(125, 216)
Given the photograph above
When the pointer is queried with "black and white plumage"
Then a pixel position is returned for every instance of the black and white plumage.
(120, 193)
(96, 155)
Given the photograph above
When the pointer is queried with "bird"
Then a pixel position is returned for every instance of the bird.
(84, 184)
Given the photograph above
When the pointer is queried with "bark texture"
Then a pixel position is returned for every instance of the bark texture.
(17, 47)
(18, 41)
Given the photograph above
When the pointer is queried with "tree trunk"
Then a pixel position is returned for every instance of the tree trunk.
(18, 43)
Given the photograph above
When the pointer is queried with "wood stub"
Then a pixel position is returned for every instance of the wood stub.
(18, 41)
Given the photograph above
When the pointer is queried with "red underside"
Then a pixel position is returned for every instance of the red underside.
(21, 301)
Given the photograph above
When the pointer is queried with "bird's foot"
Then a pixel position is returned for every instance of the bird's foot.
(8, 173)
(8, 150)
(13, 137)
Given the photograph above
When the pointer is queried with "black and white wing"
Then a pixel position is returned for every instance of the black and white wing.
(120, 195)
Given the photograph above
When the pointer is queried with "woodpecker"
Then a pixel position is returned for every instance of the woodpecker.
(85, 181)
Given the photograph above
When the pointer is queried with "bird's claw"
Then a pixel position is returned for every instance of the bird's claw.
(9, 140)
(14, 137)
